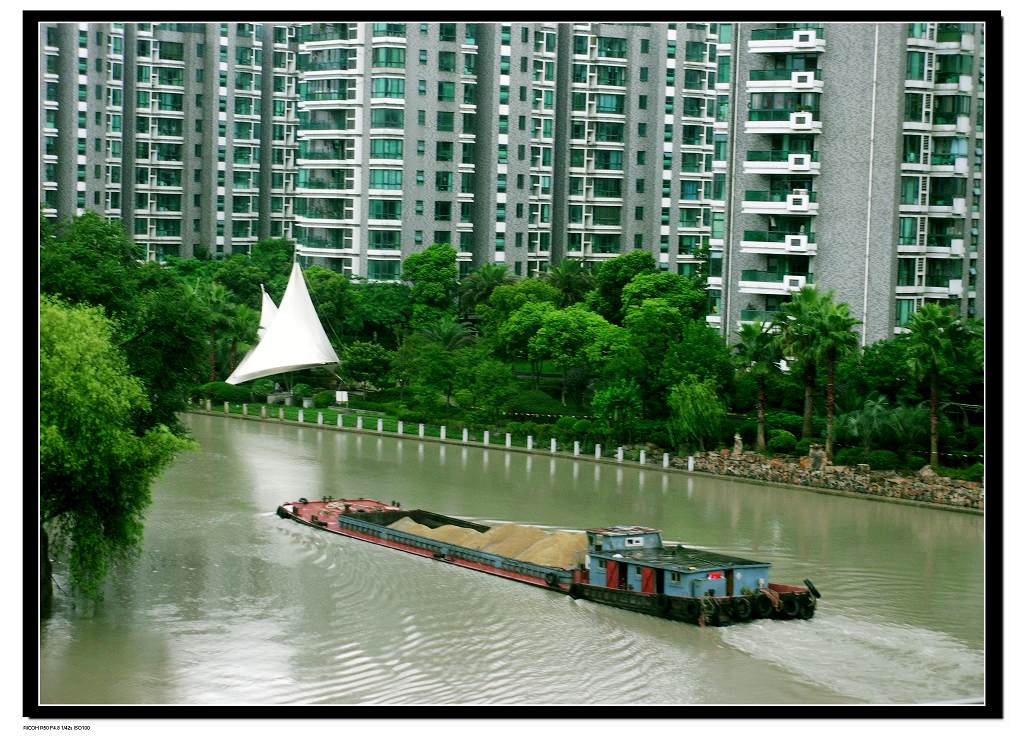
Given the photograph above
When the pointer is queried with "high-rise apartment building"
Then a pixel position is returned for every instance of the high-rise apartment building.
(184, 131)
(848, 156)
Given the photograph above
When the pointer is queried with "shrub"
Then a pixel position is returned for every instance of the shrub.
(582, 429)
(781, 420)
(851, 456)
(915, 462)
(803, 447)
(974, 473)
(302, 391)
(323, 399)
(262, 388)
(781, 441)
(564, 427)
(883, 459)
(221, 392)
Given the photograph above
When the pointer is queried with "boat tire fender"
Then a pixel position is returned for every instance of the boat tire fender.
(741, 609)
(303, 501)
(806, 609)
(762, 606)
(810, 586)
(690, 609)
(551, 579)
(790, 607)
(575, 591)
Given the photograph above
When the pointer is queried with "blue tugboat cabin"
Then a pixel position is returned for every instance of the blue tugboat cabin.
(633, 558)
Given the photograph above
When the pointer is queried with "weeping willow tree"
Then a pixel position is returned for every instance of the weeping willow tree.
(95, 468)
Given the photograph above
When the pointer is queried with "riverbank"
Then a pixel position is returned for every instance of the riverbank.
(929, 492)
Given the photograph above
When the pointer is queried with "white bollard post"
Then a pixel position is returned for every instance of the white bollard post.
(401, 428)
(444, 433)
(487, 438)
(508, 440)
(280, 414)
(643, 456)
(597, 451)
(380, 425)
(209, 405)
(245, 409)
(302, 415)
(575, 449)
(341, 421)
(421, 430)
(554, 445)
(689, 464)
(529, 443)
(319, 418)
(226, 408)
(618, 454)
(263, 411)
(664, 459)
(465, 435)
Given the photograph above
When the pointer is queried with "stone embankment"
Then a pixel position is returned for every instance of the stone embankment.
(924, 486)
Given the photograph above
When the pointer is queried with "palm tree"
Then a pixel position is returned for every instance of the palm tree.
(478, 285)
(798, 335)
(217, 300)
(449, 332)
(834, 338)
(572, 279)
(243, 324)
(930, 352)
(870, 421)
(758, 353)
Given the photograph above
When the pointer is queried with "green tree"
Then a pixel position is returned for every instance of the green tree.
(680, 292)
(514, 334)
(95, 469)
(699, 351)
(505, 299)
(695, 413)
(618, 407)
(449, 333)
(242, 279)
(365, 361)
(797, 320)
(571, 337)
(835, 338)
(273, 257)
(382, 312)
(434, 274)
(485, 383)
(936, 343)
(159, 324)
(757, 355)
(653, 328)
(478, 285)
(612, 276)
(572, 279)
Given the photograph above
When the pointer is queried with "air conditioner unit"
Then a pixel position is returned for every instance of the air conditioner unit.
(804, 38)
(796, 242)
(797, 200)
(800, 161)
(794, 282)
(803, 79)
(801, 120)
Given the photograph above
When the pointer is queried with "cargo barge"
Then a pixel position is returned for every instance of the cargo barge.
(623, 566)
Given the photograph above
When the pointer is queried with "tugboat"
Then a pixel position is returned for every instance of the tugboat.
(623, 566)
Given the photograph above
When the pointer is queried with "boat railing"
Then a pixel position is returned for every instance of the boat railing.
(441, 547)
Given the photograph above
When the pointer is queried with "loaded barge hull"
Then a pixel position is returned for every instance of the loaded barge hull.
(626, 566)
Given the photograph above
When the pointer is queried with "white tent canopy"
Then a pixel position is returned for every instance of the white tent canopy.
(292, 340)
(268, 313)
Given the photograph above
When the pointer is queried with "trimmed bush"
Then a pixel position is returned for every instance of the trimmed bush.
(781, 420)
(302, 391)
(883, 459)
(262, 388)
(221, 392)
(323, 399)
(915, 462)
(851, 456)
(974, 473)
(781, 441)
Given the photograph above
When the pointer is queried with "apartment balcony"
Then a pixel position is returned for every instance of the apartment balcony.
(758, 282)
(785, 80)
(786, 40)
(783, 121)
(954, 83)
(781, 162)
(778, 242)
(756, 316)
(772, 202)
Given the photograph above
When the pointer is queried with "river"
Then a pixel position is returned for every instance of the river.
(229, 604)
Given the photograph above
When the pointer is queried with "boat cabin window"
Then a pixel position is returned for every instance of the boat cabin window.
(674, 577)
(598, 542)
(599, 563)
(634, 541)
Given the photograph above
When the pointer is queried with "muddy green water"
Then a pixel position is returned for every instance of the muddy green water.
(228, 604)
